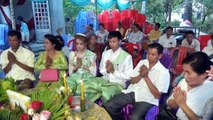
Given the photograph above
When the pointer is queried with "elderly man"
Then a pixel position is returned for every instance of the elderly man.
(18, 62)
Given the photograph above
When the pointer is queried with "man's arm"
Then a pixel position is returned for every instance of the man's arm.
(25, 67)
(8, 67)
(152, 88)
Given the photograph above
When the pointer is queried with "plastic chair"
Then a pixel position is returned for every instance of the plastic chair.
(203, 39)
(182, 53)
(134, 50)
(72, 45)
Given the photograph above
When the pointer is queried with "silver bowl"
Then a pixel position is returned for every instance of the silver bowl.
(76, 106)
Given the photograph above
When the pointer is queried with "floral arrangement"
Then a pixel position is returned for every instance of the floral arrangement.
(33, 114)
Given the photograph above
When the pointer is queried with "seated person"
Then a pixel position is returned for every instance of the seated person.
(192, 93)
(128, 32)
(18, 62)
(51, 57)
(115, 66)
(155, 34)
(136, 36)
(102, 34)
(209, 49)
(167, 40)
(190, 42)
(94, 46)
(63, 47)
(120, 29)
(149, 80)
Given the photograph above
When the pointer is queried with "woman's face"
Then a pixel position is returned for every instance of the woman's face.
(48, 45)
(192, 78)
(93, 40)
(81, 46)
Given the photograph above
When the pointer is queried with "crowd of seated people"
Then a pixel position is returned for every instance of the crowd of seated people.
(120, 83)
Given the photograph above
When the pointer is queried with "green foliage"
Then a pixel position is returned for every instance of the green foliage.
(6, 84)
(7, 114)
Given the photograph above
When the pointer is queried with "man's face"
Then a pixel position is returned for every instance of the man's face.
(189, 37)
(114, 43)
(169, 32)
(14, 42)
(153, 56)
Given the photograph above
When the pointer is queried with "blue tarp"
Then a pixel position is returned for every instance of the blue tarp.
(4, 44)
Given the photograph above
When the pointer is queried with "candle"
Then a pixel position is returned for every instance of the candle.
(65, 84)
(82, 90)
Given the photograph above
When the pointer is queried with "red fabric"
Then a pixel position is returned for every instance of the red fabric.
(204, 40)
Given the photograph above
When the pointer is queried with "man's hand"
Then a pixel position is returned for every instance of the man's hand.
(11, 57)
(109, 67)
(143, 71)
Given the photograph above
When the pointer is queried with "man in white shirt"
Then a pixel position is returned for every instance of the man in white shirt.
(116, 64)
(209, 50)
(18, 62)
(149, 80)
(190, 42)
(167, 40)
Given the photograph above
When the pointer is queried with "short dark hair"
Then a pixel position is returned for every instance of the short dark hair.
(20, 18)
(114, 34)
(91, 25)
(92, 35)
(53, 40)
(157, 24)
(15, 33)
(169, 27)
(158, 46)
(199, 61)
(189, 32)
(101, 24)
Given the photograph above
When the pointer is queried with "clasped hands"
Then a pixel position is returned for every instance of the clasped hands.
(179, 96)
(11, 57)
(79, 64)
(109, 67)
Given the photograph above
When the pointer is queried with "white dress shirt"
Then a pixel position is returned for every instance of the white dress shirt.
(158, 75)
(24, 56)
(195, 44)
(167, 42)
(122, 69)
(196, 98)
(209, 51)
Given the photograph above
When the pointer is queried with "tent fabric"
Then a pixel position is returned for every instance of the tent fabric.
(80, 2)
(105, 4)
(122, 4)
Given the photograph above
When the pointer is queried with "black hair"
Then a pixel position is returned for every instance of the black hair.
(157, 24)
(199, 61)
(59, 38)
(92, 35)
(91, 25)
(101, 24)
(114, 34)
(169, 27)
(20, 18)
(15, 33)
(189, 32)
(119, 23)
(53, 40)
(158, 46)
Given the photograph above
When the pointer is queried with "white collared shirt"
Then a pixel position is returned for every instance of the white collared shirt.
(167, 42)
(24, 56)
(122, 69)
(196, 98)
(195, 44)
(158, 75)
(208, 50)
